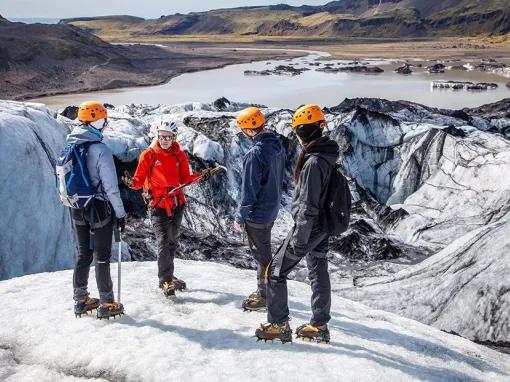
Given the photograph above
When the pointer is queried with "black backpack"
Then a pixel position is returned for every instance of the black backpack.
(336, 204)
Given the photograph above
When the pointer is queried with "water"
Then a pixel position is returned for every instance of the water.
(326, 89)
(34, 20)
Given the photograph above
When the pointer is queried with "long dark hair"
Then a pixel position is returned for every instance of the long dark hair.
(308, 134)
(299, 164)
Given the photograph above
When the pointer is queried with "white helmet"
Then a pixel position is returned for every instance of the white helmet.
(169, 126)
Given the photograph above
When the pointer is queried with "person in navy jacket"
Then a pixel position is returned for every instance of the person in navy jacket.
(262, 184)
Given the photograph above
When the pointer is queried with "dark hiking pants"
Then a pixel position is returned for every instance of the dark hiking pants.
(166, 230)
(259, 240)
(102, 244)
(282, 264)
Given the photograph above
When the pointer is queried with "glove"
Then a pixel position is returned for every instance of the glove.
(206, 174)
(127, 179)
(239, 226)
(121, 223)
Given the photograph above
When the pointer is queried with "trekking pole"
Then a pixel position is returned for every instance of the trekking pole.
(118, 239)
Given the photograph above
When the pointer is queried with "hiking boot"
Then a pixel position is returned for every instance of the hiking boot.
(179, 284)
(84, 306)
(313, 333)
(254, 302)
(270, 332)
(168, 290)
(109, 309)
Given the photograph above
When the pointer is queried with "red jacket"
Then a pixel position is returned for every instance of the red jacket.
(164, 170)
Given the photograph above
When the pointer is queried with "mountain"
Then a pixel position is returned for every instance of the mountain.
(38, 58)
(205, 335)
(347, 18)
(3, 21)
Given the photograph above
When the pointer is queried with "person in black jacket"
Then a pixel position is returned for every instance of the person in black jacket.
(261, 193)
(308, 238)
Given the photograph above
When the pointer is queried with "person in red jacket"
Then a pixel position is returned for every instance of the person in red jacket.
(162, 167)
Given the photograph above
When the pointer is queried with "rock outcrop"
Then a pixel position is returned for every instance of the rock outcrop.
(352, 69)
(404, 69)
(436, 68)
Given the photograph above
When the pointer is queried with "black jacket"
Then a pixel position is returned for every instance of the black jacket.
(321, 155)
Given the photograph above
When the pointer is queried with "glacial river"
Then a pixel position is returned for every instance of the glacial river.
(284, 91)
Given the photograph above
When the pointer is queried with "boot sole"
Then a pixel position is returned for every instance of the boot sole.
(114, 316)
(263, 309)
(313, 339)
(283, 341)
(85, 313)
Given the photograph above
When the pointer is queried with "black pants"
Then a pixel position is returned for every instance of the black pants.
(166, 230)
(282, 264)
(259, 240)
(101, 253)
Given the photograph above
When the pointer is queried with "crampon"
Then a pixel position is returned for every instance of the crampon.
(309, 332)
(254, 302)
(83, 307)
(168, 289)
(179, 284)
(271, 332)
(107, 310)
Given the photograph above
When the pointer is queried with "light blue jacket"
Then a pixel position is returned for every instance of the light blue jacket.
(101, 166)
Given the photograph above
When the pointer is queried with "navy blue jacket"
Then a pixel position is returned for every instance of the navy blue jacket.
(263, 172)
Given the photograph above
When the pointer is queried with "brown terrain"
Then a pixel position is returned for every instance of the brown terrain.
(80, 55)
(38, 60)
(345, 18)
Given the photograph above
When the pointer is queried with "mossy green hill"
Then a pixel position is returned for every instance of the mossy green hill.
(346, 18)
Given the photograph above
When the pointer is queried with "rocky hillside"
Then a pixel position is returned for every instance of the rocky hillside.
(39, 59)
(371, 18)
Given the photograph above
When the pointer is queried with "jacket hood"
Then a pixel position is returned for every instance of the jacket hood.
(325, 148)
(268, 143)
(83, 134)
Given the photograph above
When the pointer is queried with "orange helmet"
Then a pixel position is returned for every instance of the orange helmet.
(250, 118)
(307, 114)
(91, 111)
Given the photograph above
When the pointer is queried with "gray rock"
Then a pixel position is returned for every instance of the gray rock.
(463, 289)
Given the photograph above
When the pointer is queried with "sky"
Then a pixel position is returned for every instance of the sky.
(142, 8)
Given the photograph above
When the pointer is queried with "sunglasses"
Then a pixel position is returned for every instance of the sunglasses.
(167, 138)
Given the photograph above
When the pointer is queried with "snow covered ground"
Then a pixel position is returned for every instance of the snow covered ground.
(205, 336)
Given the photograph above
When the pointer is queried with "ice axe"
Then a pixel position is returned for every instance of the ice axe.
(212, 170)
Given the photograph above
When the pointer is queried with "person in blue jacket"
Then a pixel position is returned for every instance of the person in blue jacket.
(262, 183)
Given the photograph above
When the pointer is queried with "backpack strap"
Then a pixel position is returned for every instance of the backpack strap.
(325, 191)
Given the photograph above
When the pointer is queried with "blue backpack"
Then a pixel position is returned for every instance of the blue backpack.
(74, 184)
